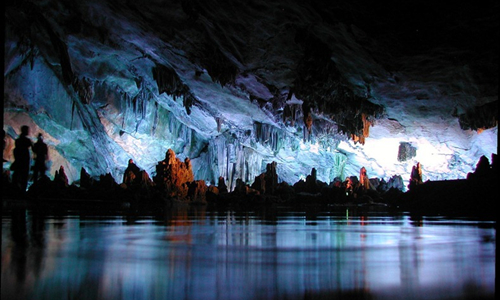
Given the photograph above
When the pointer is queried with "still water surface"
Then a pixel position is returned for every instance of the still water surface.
(199, 254)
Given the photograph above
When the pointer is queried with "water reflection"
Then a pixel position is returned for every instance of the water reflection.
(199, 254)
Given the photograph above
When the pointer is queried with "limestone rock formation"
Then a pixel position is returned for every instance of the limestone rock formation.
(259, 183)
(483, 169)
(267, 182)
(364, 181)
(222, 188)
(197, 192)
(174, 176)
(86, 180)
(406, 151)
(60, 177)
(416, 176)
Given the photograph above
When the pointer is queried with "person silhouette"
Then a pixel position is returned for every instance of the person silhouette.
(21, 165)
(41, 152)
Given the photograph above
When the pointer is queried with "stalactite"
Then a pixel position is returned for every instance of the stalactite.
(38, 22)
(59, 46)
(308, 121)
(291, 112)
(218, 66)
(364, 132)
(219, 123)
(188, 100)
(321, 85)
(233, 161)
(169, 82)
(338, 168)
(141, 105)
(73, 107)
(269, 135)
(85, 89)
(140, 102)
(294, 114)
(480, 118)
(155, 119)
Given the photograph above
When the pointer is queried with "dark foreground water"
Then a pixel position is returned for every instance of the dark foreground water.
(278, 254)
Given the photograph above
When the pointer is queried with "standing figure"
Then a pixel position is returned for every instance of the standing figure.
(41, 152)
(21, 165)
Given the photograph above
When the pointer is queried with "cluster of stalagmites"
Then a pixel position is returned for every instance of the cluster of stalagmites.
(174, 182)
(477, 194)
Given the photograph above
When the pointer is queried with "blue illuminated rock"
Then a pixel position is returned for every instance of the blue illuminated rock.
(236, 89)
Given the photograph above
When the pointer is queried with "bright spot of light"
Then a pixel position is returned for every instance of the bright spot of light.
(310, 147)
(383, 150)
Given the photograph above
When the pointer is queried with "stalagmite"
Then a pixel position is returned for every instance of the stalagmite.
(416, 176)
(174, 176)
(197, 192)
(363, 179)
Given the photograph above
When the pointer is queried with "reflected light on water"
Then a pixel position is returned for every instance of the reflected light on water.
(225, 255)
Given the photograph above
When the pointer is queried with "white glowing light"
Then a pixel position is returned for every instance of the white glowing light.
(310, 147)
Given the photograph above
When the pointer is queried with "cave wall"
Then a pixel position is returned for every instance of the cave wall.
(235, 87)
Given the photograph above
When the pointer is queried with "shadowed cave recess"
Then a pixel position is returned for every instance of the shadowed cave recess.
(236, 85)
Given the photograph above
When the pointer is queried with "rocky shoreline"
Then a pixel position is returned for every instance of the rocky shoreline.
(174, 185)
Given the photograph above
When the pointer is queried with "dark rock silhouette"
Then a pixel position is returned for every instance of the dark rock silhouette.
(415, 176)
(271, 178)
(395, 182)
(174, 183)
(242, 188)
(197, 192)
(132, 173)
(311, 185)
(494, 163)
(86, 180)
(222, 185)
(136, 179)
(212, 194)
(267, 182)
(60, 177)
(259, 183)
(477, 194)
(483, 169)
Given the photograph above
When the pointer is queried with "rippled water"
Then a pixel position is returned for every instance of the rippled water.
(278, 254)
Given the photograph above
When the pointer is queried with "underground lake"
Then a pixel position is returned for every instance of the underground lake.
(273, 253)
